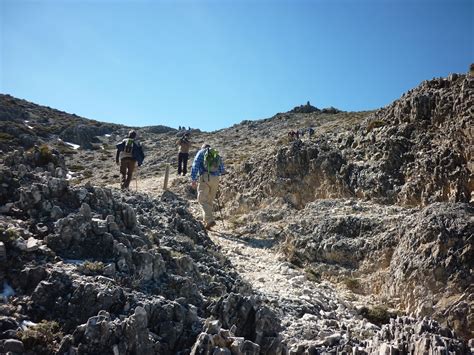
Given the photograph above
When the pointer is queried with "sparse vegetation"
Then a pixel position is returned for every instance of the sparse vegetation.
(378, 315)
(65, 149)
(45, 155)
(5, 137)
(312, 274)
(92, 267)
(375, 124)
(235, 221)
(352, 284)
(8, 234)
(176, 254)
(288, 249)
(42, 338)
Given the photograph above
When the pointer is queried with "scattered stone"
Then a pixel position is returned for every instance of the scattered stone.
(13, 345)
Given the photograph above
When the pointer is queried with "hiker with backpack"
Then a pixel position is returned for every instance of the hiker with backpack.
(130, 154)
(206, 169)
(183, 154)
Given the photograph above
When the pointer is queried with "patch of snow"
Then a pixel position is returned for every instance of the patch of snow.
(73, 146)
(107, 135)
(26, 121)
(68, 176)
(7, 291)
(27, 324)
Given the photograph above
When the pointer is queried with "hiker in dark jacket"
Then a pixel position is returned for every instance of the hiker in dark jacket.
(130, 154)
(183, 154)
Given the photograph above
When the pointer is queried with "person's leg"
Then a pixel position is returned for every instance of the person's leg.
(130, 169)
(180, 162)
(185, 163)
(204, 199)
(213, 187)
(123, 172)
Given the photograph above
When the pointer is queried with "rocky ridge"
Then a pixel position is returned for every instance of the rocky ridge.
(25, 124)
(305, 273)
(413, 153)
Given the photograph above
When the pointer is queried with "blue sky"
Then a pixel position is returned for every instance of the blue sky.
(210, 64)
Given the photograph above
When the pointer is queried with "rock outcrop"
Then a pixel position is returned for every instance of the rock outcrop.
(24, 124)
(420, 260)
(120, 273)
(414, 152)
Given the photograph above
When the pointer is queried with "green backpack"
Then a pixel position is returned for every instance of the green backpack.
(128, 145)
(212, 160)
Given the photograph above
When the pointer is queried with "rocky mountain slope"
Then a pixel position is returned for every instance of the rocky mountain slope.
(24, 124)
(415, 152)
(358, 240)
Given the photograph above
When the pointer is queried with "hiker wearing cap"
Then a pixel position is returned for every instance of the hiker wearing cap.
(183, 154)
(206, 169)
(130, 154)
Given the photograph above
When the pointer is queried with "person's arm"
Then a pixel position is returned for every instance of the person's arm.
(195, 169)
(141, 155)
(119, 149)
(221, 168)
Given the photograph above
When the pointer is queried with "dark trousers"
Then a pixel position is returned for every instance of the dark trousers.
(127, 167)
(183, 163)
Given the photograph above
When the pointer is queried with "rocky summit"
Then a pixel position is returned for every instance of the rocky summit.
(356, 239)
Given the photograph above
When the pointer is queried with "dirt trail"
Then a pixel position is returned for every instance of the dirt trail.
(312, 313)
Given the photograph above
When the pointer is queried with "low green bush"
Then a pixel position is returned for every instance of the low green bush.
(378, 315)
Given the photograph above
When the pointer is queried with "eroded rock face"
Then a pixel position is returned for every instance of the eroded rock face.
(414, 152)
(407, 335)
(84, 135)
(420, 258)
(250, 320)
(216, 340)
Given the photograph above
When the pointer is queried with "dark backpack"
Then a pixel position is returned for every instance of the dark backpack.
(128, 145)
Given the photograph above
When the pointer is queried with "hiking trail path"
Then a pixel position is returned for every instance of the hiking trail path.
(311, 313)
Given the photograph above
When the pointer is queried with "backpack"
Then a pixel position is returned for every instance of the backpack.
(212, 160)
(128, 145)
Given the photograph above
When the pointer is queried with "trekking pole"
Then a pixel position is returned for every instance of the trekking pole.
(220, 209)
(136, 180)
(167, 174)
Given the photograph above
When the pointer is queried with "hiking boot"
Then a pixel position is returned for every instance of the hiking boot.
(210, 224)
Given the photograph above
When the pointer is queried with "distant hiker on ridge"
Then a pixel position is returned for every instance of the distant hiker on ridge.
(291, 135)
(207, 167)
(183, 154)
(130, 153)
